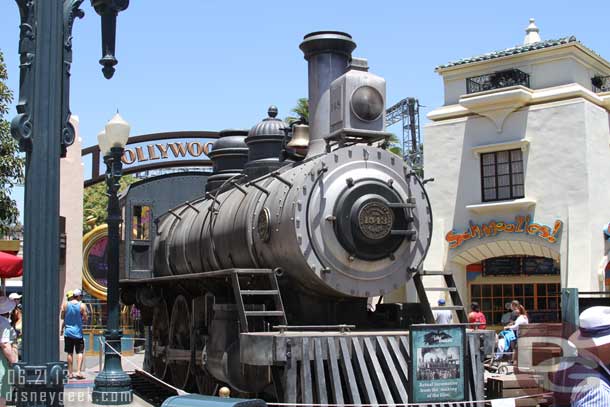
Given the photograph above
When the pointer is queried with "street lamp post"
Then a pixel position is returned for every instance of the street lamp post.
(44, 131)
(112, 384)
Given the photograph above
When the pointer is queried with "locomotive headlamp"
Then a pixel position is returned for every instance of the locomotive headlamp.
(357, 104)
(367, 103)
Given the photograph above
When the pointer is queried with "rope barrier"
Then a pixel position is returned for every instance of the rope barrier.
(136, 368)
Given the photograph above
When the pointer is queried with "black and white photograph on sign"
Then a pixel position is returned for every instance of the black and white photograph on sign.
(438, 363)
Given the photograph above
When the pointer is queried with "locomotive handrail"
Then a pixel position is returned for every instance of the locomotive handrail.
(342, 327)
(196, 276)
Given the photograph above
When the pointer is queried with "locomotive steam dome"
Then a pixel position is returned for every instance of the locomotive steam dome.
(229, 155)
(265, 144)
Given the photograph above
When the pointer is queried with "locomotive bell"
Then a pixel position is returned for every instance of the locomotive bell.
(300, 139)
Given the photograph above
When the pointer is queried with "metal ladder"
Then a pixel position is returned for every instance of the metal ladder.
(257, 289)
(450, 287)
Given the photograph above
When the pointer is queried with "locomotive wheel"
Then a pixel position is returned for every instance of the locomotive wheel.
(206, 384)
(160, 327)
(180, 343)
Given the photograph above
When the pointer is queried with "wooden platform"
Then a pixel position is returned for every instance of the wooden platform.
(505, 386)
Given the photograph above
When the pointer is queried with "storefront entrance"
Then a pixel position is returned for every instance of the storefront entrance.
(533, 281)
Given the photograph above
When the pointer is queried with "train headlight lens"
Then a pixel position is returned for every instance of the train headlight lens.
(367, 103)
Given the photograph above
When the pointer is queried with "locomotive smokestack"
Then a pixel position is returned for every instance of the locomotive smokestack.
(328, 54)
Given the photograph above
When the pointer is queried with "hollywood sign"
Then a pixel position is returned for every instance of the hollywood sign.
(152, 152)
(157, 151)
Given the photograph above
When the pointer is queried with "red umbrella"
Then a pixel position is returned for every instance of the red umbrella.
(10, 265)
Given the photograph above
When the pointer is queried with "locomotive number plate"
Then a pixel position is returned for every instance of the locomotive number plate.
(375, 220)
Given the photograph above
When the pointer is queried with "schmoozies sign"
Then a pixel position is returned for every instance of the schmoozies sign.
(522, 224)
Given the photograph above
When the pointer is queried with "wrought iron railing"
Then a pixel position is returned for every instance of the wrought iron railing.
(497, 80)
(600, 83)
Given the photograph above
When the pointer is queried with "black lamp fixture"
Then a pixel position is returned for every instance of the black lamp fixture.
(108, 10)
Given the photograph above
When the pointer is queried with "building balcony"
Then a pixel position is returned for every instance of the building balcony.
(600, 84)
(497, 80)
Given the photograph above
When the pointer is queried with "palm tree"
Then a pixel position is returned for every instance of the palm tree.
(301, 110)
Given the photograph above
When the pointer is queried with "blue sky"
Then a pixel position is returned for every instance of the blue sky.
(209, 65)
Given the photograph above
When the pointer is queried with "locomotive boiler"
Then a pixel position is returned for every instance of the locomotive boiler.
(301, 224)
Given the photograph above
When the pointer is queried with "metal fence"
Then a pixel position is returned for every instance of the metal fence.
(497, 80)
(600, 83)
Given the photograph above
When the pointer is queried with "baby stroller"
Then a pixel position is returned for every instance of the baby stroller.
(503, 358)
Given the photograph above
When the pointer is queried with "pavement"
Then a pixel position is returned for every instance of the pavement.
(78, 392)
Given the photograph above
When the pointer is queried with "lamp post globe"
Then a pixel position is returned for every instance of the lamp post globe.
(117, 131)
(112, 385)
(103, 143)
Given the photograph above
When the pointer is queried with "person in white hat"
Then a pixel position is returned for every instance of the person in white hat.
(73, 315)
(9, 352)
(592, 342)
(15, 297)
(17, 317)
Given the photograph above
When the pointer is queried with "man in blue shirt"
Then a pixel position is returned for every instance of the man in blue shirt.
(73, 314)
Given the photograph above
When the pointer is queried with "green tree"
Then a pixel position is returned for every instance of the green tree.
(301, 110)
(95, 203)
(11, 162)
(395, 146)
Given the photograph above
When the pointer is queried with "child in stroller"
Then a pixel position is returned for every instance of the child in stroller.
(507, 341)
(503, 357)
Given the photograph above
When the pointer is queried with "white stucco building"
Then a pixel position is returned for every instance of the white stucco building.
(520, 154)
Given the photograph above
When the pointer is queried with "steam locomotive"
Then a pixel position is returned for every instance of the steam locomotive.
(300, 226)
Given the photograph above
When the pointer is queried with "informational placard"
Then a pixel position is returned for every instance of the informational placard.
(437, 363)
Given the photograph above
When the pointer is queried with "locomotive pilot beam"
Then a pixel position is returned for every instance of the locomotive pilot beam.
(286, 238)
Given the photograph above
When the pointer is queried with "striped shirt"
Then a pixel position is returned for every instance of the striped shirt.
(592, 392)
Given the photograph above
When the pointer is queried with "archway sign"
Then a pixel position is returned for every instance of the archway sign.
(157, 151)
(146, 152)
